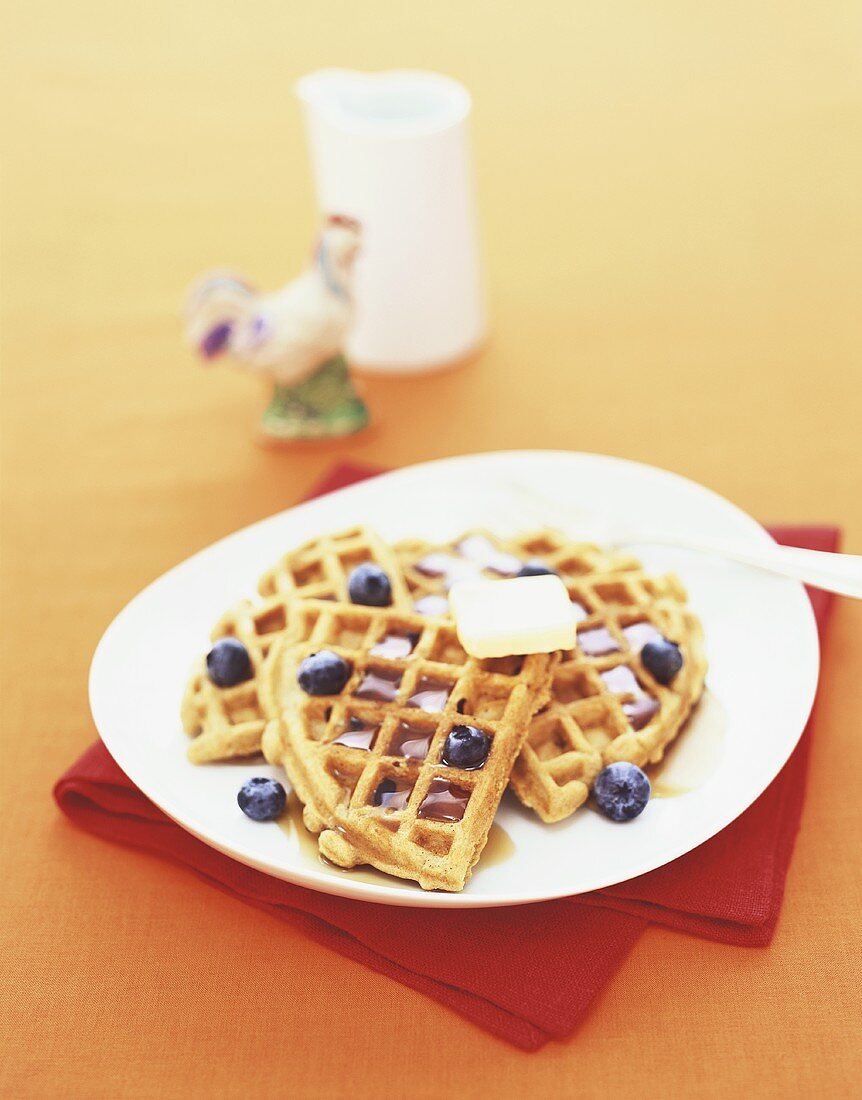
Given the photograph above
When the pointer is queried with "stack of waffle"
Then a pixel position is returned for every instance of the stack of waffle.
(368, 762)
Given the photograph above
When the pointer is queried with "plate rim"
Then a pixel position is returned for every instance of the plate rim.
(397, 896)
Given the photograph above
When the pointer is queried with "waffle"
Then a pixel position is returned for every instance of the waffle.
(320, 569)
(429, 570)
(586, 724)
(604, 705)
(605, 708)
(228, 722)
(337, 750)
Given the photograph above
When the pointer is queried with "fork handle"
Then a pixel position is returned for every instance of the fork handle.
(839, 573)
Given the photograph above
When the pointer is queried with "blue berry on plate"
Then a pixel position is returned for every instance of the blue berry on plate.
(466, 747)
(370, 586)
(228, 663)
(537, 569)
(662, 659)
(262, 799)
(323, 673)
(622, 791)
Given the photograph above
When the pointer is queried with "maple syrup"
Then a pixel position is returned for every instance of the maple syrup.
(431, 605)
(597, 642)
(378, 684)
(357, 735)
(393, 793)
(478, 549)
(499, 848)
(638, 634)
(429, 695)
(447, 568)
(395, 646)
(444, 801)
(410, 742)
(640, 711)
(291, 824)
(694, 755)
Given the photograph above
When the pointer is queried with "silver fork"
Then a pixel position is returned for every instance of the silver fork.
(516, 506)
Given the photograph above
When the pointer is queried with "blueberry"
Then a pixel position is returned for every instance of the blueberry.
(622, 791)
(537, 569)
(323, 673)
(662, 659)
(466, 747)
(228, 663)
(262, 799)
(370, 586)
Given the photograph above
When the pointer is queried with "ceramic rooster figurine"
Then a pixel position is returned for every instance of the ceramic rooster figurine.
(294, 335)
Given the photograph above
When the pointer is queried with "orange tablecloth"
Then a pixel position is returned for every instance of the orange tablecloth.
(672, 226)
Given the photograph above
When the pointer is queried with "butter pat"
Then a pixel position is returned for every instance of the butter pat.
(519, 616)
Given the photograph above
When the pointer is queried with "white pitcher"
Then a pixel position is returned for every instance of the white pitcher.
(392, 150)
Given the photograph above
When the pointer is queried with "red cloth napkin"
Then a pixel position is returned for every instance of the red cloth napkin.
(527, 973)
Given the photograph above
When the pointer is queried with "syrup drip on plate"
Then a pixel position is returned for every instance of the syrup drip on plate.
(693, 757)
(499, 849)
(292, 825)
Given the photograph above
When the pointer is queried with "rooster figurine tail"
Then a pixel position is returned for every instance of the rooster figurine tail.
(294, 335)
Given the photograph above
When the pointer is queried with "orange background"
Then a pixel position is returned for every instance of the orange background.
(669, 196)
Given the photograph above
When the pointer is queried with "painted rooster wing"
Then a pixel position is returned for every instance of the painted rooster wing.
(287, 334)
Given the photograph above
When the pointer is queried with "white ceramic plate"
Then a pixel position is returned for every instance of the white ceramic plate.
(761, 644)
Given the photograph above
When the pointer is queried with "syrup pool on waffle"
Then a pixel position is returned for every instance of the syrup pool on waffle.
(473, 557)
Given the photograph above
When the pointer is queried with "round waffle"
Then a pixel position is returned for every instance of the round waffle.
(368, 763)
(228, 722)
(604, 704)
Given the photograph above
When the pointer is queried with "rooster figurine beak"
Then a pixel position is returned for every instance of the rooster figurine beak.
(346, 222)
(349, 251)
